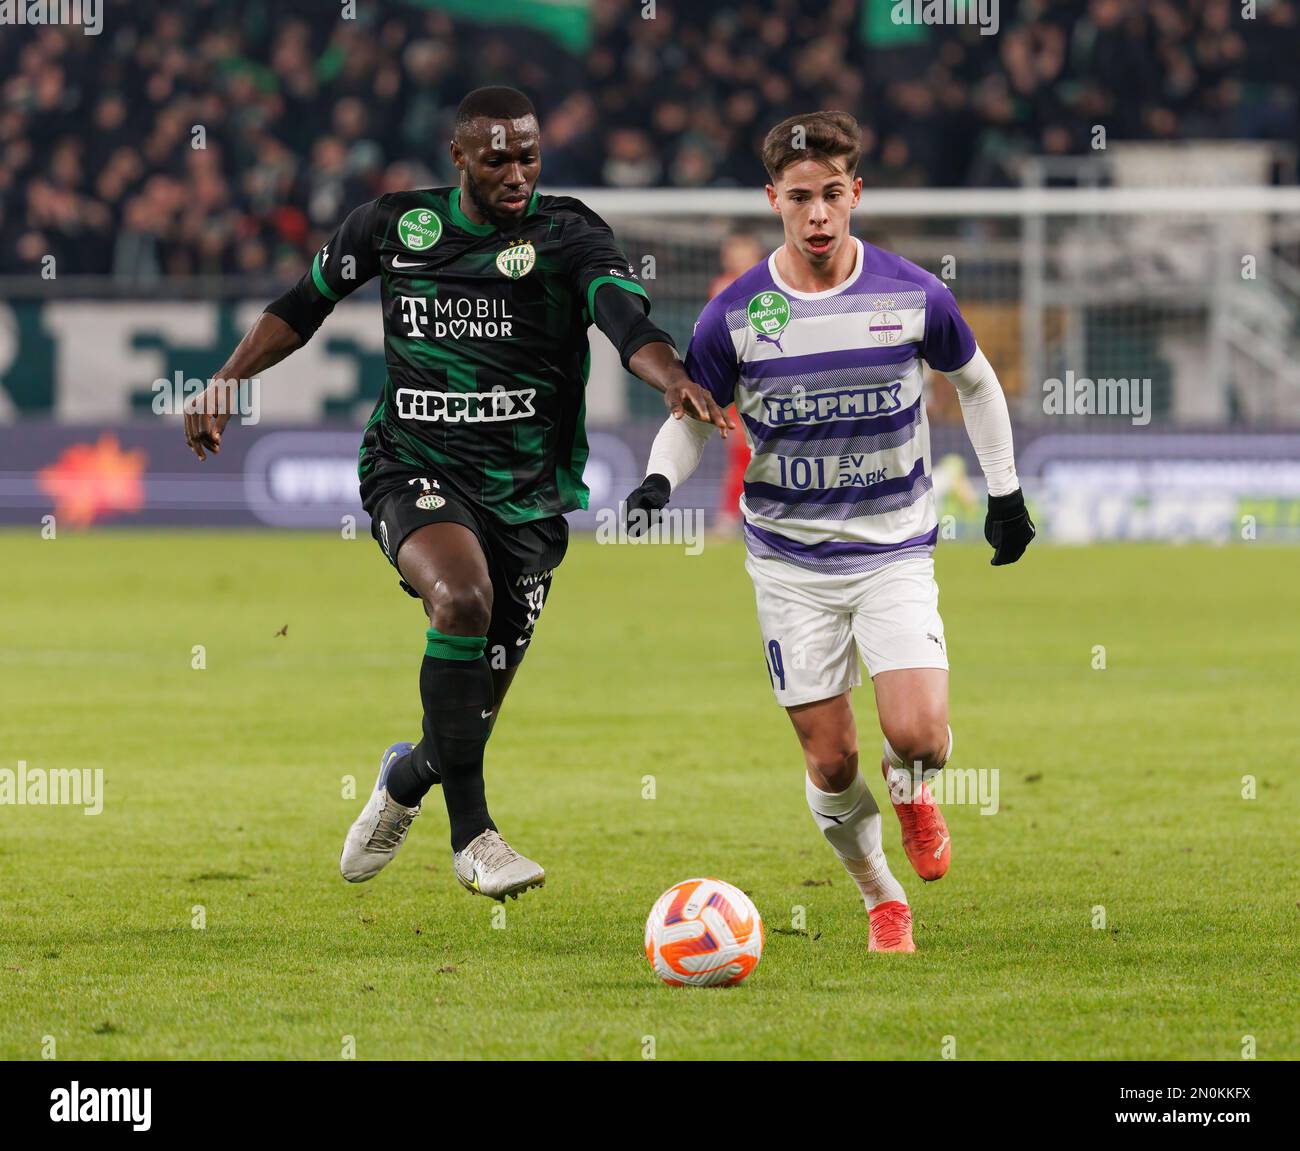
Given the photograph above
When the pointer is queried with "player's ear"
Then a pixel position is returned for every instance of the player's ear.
(457, 153)
(856, 188)
(771, 197)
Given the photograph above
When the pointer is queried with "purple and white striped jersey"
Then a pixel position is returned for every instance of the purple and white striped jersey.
(828, 387)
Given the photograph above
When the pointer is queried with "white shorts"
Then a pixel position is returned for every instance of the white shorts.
(815, 624)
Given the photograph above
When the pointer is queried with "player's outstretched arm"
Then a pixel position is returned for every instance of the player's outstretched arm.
(674, 456)
(265, 344)
(679, 446)
(1007, 526)
(347, 261)
(660, 366)
(648, 353)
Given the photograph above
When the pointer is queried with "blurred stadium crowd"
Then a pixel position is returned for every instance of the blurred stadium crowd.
(305, 114)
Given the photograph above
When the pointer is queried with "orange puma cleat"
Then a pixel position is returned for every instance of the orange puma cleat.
(925, 834)
(891, 927)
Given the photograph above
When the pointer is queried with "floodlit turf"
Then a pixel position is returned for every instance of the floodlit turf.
(1119, 788)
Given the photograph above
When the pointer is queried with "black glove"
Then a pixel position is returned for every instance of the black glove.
(1008, 527)
(645, 504)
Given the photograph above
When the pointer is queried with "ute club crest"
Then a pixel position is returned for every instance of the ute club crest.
(885, 328)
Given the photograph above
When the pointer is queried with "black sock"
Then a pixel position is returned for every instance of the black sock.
(456, 686)
(412, 774)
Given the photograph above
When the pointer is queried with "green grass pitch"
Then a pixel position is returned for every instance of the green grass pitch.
(1120, 788)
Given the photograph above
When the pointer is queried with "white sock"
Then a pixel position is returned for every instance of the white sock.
(905, 779)
(850, 820)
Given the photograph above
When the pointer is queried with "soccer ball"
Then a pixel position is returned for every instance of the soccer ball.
(705, 933)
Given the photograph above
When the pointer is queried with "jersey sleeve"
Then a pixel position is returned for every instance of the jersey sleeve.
(711, 356)
(949, 343)
(624, 319)
(351, 257)
(595, 258)
(344, 263)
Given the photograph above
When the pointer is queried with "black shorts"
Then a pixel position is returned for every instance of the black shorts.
(520, 557)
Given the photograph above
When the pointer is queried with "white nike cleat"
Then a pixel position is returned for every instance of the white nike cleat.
(381, 827)
(490, 866)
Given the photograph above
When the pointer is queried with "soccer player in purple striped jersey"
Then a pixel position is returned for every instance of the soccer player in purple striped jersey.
(821, 346)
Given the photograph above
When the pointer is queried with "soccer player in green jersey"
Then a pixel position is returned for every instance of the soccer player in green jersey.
(476, 447)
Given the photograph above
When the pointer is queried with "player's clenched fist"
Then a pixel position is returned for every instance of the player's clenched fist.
(645, 504)
(1008, 527)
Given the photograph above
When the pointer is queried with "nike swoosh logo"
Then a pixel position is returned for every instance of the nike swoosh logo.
(485, 714)
(396, 262)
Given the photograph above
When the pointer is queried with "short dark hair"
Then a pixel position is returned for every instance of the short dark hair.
(496, 102)
(824, 136)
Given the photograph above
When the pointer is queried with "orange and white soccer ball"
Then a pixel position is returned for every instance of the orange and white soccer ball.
(705, 933)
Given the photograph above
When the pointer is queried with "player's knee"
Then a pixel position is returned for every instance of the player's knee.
(463, 609)
(832, 765)
(922, 737)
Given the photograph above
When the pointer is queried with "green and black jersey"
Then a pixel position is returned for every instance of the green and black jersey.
(485, 340)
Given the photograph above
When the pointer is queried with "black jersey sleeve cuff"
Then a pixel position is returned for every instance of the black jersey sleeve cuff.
(621, 315)
(302, 307)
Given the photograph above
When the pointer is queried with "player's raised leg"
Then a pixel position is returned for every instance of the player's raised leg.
(913, 708)
(415, 769)
(843, 807)
(449, 574)
(444, 563)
